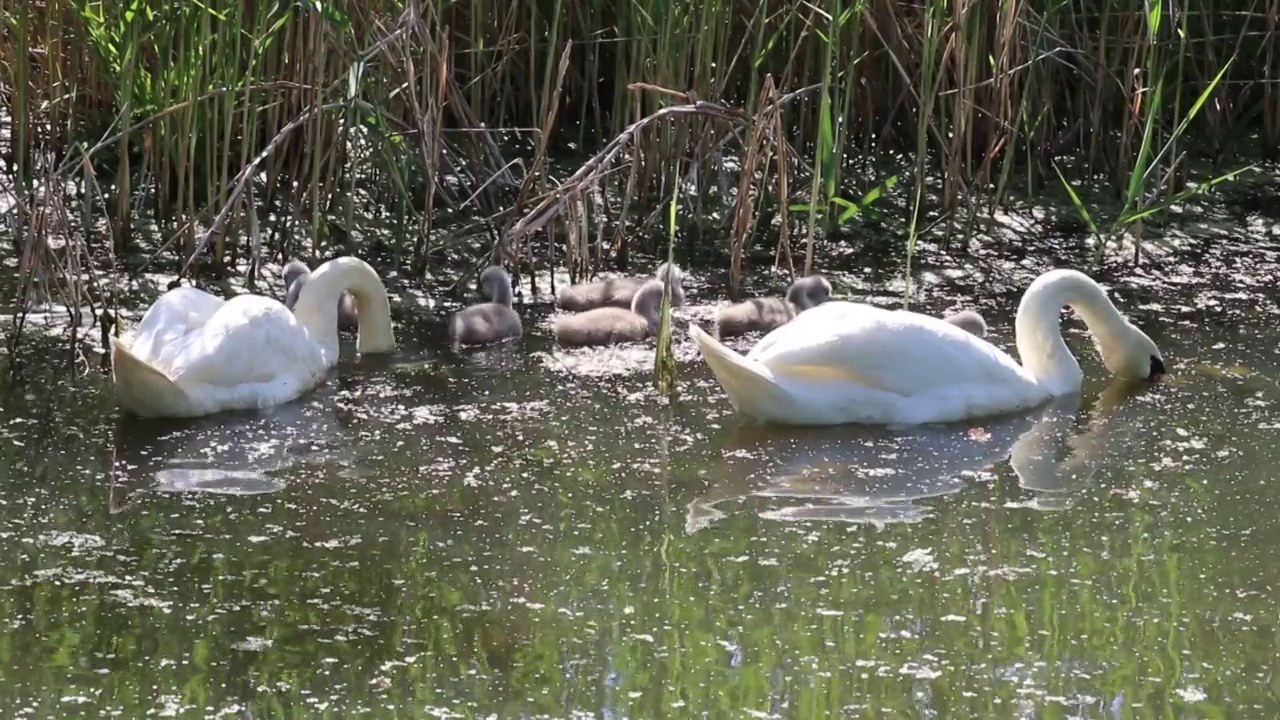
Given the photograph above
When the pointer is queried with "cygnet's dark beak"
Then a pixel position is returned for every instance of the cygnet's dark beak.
(1157, 370)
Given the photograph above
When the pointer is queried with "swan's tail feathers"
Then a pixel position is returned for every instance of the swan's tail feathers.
(142, 389)
(750, 386)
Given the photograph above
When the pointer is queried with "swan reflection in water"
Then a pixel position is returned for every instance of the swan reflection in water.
(240, 453)
(875, 475)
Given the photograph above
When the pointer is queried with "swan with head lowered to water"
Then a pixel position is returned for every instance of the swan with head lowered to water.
(295, 276)
(196, 354)
(844, 363)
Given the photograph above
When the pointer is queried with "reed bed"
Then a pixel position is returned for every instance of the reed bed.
(208, 138)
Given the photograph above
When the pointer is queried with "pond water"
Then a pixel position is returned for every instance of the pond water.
(521, 532)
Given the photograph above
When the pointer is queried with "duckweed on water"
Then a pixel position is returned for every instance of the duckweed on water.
(505, 534)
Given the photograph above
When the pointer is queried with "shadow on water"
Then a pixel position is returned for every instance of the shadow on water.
(521, 531)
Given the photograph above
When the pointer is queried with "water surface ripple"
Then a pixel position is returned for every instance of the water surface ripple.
(520, 532)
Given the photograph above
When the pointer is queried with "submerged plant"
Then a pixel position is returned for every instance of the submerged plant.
(664, 359)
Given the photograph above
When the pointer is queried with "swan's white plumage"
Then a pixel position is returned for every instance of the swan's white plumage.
(885, 346)
(844, 362)
(171, 317)
(195, 354)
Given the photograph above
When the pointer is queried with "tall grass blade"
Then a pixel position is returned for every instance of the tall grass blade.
(664, 360)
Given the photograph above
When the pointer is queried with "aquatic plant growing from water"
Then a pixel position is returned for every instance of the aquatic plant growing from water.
(664, 358)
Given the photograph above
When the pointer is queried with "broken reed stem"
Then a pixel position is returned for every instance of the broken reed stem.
(242, 179)
(592, 170)
(595, 168)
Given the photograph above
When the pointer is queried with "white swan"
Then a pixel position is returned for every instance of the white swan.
(196, 354)
(842, 362)
(295, 275)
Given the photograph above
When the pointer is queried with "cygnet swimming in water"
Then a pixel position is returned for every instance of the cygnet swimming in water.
(488, 322)
(970, 321)
(296, 274)
(612, 325)
(765, 314)
(618, 292)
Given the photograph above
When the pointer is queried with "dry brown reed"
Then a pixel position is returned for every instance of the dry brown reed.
(197, 122)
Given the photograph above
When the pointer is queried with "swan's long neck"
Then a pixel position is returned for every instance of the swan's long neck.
(1039, 327)
(317, 307)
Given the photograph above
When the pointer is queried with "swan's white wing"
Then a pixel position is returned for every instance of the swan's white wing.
(893, 351)
(170, 318)
(250, 340)
(831, 312)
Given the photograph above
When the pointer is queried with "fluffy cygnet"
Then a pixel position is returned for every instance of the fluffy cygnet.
(617, 292)
(295, 276)
(612, 325)
(488, 322)
(970, 321)
(765, 314)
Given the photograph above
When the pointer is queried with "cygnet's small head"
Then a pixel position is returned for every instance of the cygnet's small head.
(970, 321)
(292, 271)
(673, 273)
(496, 283)
(809, 291)
(1132, 355)
(672, 269)
(295, 275)
(648, 301)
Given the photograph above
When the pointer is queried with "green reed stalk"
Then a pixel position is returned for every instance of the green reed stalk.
(1153, 109)
(250, 112)
(1135, 208)
(850, 25)
(664, 360)
(1061, 82)
(316, 130)
(231, 75)
(935, 12)
(1180, 74)
(959, 114)
(550, 60)
(672, 70)
(825, 159)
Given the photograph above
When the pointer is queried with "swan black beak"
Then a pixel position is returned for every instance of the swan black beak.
(1157, 370)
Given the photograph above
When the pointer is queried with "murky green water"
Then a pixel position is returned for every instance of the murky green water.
(523, 533)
